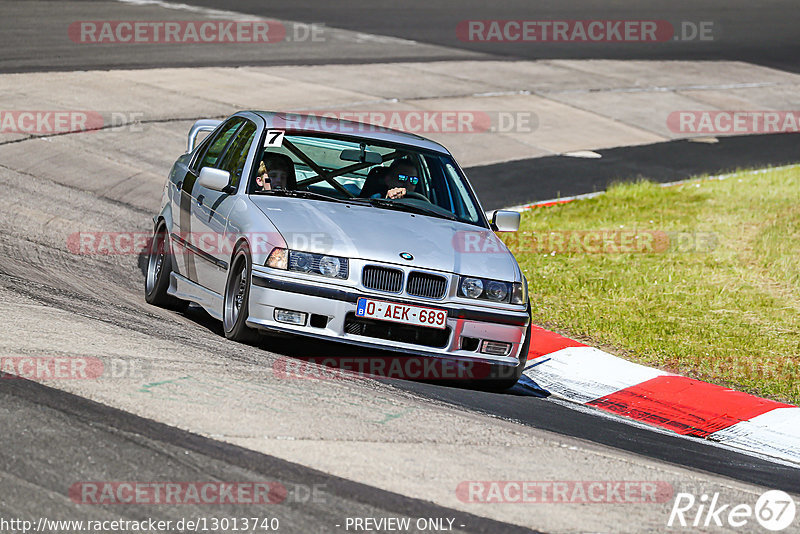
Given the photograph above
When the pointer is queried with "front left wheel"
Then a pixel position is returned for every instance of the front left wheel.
(236, 305)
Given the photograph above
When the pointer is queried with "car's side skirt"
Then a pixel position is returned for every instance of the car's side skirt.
(185, 289)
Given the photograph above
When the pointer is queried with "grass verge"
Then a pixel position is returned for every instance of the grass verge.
(701, 279)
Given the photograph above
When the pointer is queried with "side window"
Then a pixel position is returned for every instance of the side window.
(454, 181)
(236, 157)
(218, 144)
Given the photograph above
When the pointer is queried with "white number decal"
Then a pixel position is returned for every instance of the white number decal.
(274, 138)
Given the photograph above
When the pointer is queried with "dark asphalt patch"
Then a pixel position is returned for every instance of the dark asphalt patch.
(519, 182)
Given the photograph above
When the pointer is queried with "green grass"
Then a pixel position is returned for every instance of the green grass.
(716, 297)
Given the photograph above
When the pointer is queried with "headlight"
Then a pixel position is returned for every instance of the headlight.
(472, 287)
(330, 266)
(320, 264)
(302, 261)
(493, 290)
(497, 291)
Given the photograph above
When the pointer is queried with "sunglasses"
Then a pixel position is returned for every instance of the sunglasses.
(413, 180)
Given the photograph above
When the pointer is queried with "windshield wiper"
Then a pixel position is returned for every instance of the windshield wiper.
(301, 194)
(390, 204)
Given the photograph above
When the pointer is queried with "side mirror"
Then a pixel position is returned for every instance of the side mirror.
(506, 221)
(214, 179)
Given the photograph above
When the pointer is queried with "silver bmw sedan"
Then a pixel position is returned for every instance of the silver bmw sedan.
(343, 231)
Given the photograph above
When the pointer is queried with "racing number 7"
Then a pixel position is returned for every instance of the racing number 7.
(274, 138)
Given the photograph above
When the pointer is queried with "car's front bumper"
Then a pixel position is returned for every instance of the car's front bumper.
(269, 292)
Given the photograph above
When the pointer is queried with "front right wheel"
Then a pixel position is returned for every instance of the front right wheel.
(236, 305)
(159, 267)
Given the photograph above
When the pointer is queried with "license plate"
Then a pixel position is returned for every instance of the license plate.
(401, 313)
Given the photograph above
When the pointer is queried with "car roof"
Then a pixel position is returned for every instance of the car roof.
(302, 123)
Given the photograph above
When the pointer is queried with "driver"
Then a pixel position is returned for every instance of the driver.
(276, 171)
(401, 178)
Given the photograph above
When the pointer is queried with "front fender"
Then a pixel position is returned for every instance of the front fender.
(247, 222)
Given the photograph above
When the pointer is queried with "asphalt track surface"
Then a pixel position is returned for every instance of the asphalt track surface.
(123, 444)
(538, 411)
(555, 417)
(36, 417)
(762, 33)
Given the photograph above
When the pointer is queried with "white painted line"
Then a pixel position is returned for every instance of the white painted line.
(583, 374)
(586, 154)
(342, 35)
(667, 88)
(530, 205)
(775, 433)
(205, 11)
(729, 175)
(501, 93)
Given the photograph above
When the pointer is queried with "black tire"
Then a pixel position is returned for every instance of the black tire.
(235, 306)
(504, 377)
(159, 267)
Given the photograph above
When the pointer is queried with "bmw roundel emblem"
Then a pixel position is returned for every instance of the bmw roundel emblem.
(406, 256)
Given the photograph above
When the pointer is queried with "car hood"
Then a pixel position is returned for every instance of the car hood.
(378, 234)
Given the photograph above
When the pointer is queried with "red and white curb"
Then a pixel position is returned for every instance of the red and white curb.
(588, 376)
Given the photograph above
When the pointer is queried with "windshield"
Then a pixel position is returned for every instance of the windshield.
(384, 176)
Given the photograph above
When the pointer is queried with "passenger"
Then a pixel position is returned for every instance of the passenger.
(276, 171)
(401, 178)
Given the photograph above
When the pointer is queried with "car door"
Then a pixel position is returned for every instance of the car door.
(209, 154)
(211, 209)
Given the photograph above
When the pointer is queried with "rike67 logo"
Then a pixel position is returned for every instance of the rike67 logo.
(774, 510)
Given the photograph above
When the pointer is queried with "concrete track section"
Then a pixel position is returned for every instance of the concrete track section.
(485, 113)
